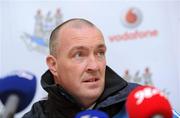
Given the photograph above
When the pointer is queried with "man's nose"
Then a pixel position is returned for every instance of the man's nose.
(92, 64)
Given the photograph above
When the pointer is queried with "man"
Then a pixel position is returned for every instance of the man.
(78, 78)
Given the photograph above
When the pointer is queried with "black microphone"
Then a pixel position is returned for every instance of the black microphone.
(17, 91)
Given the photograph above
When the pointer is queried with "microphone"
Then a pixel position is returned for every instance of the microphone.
(148, 102)
(92, 114)
(16, 91)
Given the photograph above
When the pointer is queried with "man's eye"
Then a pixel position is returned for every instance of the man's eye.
(101, 54)
(78, 55)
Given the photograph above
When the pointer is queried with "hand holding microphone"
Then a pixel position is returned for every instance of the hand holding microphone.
(148, 102)
(17, 91)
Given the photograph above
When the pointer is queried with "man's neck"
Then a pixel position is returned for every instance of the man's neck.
(91, 107)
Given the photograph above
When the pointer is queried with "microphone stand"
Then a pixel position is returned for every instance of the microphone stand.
(11, 106)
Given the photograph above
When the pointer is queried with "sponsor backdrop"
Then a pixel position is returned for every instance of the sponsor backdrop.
(142, 37)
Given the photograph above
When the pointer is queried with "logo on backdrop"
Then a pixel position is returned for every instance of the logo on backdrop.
(144, 79)
(131, 19)
(44, 24)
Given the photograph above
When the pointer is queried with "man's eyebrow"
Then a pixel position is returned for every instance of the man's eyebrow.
(78, 48)
(85, 48)
(101, 46)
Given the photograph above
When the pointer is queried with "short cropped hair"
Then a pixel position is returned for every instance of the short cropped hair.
(75, 23)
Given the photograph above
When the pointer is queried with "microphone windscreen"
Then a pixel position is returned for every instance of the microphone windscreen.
(92, 114)
(20, 83)
(147, 102)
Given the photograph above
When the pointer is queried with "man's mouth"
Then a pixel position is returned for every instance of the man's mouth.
(91, 80)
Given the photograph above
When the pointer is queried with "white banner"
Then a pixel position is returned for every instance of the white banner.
(143, 38)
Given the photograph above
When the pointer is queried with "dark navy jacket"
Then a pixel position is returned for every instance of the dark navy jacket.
(60, 104)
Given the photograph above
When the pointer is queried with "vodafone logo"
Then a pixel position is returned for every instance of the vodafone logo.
(131, 17)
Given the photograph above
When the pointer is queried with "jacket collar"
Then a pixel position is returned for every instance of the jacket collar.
(113, 83)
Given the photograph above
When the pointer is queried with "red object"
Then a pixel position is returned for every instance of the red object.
(147, 102)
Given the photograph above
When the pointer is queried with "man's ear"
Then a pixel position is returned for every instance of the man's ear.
(52, 64)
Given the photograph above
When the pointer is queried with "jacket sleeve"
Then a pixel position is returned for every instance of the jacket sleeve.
(36, 111)
(175, 114)
(121, 114)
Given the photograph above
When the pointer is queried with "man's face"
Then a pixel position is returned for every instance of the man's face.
(81, 63)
